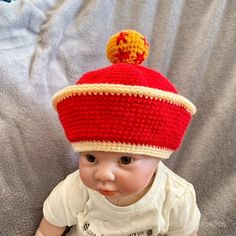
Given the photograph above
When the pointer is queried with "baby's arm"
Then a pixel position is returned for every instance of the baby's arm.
(193, 234)
(48, 229)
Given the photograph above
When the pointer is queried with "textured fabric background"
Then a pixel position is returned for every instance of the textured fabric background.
(47, 45)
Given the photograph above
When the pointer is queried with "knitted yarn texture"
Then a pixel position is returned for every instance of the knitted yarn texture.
(125, 107)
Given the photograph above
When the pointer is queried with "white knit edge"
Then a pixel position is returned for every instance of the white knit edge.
(134, 149)
(117, 89)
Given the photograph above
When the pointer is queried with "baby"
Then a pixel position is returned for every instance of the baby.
(123, 120)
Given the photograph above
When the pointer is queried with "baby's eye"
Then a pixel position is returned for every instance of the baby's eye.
(126, 160)
(90, 158)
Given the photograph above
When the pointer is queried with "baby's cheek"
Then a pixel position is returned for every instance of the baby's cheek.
(86, 178)
(133, 185)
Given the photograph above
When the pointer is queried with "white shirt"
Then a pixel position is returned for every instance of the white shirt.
(169, 207)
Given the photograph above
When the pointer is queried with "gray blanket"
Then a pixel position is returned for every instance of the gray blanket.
(46, 45)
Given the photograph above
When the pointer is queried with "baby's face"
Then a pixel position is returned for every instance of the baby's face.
(116, 175)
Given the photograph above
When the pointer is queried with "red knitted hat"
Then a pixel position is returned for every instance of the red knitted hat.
(124, 107)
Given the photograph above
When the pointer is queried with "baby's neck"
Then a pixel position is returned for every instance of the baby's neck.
(131, 198)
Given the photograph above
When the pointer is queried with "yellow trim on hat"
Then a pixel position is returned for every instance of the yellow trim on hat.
(118, 89)
(134, 149)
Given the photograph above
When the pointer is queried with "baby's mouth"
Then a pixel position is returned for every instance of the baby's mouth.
(107, 192)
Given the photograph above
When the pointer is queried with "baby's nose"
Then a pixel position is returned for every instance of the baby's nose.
(104, 173)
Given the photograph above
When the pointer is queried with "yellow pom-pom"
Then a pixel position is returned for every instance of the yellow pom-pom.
(127, 46)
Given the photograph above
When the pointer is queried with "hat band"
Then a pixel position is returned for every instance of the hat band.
(123, 119)
(122, 148)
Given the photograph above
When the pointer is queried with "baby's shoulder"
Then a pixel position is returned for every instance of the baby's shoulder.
(174, 185)
(71, 187)
(73, 181)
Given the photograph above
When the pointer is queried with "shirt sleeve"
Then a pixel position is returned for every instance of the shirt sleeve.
(66, 201)
(185, 215)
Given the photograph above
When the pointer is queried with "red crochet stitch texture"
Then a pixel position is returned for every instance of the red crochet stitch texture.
(125, 119)
(127, 74)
